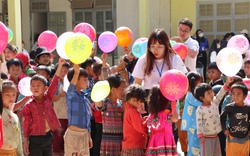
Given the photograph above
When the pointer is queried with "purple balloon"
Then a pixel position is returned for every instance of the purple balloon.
(3, 37)
(107, 41)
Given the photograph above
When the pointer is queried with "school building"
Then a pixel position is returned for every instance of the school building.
(215, 17)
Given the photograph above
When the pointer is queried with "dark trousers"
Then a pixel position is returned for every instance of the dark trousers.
(202, 57)
(41, 145)
(222, 138)
(58, 142)
(98, 139)
(93, 135)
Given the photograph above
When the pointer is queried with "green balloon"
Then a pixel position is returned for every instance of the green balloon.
(10, 35)
(172, 42)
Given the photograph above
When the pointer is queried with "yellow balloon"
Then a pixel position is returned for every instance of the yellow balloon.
(100, 91)
(78, 48)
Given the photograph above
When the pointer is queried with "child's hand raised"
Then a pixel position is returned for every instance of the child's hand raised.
(229, 80)
(61, 61)
(104, 57)
(126, 49)
(76, 68)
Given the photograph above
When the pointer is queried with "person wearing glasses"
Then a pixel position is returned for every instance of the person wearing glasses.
(184, 31)
(184, 36)
(159, 58)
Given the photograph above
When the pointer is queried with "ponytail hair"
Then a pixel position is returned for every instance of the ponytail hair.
(156, 101)
(193, 79)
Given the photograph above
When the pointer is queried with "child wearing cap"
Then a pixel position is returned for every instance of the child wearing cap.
(26, 66)
(42, 56)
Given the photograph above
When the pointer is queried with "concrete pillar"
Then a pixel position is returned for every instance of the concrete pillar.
(14, 17)
(144, 20)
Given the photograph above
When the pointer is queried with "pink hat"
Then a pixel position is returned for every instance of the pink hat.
(23, 57)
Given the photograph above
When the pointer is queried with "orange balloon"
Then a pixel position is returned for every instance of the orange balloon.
(124, 36)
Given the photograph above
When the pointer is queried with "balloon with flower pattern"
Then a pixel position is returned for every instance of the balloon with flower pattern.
(86, 29)
(48, 40)
(173, 84)
(107, 41)
(139, 47)
(240, 42)
(78, 48)
(181, 49)
(229, 61)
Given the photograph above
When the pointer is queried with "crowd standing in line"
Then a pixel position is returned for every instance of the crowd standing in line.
(135, 118)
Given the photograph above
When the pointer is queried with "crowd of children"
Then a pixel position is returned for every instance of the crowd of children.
(63, 120)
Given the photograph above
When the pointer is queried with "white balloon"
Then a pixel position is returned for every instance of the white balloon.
(60, 44)
(65, 83)
(24, 86)
(229, 61)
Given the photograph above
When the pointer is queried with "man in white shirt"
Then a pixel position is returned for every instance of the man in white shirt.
(184, 31)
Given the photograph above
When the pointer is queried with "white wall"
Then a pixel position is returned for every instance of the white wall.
(127, 14)
(25, 15)
(159, 12)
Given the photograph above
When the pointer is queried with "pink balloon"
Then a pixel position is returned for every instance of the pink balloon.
(48, 40)
(86, 29)
(249, 54)
(239, 42)
(173, 84)
(247, 99)
(141, 39)
(181, 49)
(3, 37)
(24, 86)
(247, 82)
(107, 41)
